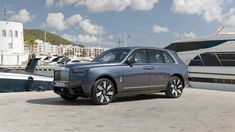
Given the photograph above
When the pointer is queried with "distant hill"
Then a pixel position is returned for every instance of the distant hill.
(30, 34)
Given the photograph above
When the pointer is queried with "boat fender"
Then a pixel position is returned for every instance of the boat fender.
(29, 84)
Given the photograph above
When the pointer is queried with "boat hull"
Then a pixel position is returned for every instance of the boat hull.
(214, 78)
(14, 82)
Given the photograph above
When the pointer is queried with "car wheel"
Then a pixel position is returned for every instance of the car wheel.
(68, 97)
(102, 92)
(174, 87)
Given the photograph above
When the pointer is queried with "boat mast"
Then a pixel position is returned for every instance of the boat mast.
(45, 37)
(99, 41)
(219, 30)
(5, 11)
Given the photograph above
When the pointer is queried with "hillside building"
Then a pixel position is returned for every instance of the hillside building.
(47, 49)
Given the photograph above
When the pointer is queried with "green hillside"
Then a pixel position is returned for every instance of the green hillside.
(34, 34)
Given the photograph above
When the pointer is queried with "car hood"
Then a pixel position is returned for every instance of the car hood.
(89, 65)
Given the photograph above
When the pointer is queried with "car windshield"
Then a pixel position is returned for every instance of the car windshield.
(112, 56)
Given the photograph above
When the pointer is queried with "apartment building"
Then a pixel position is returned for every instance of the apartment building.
(47, 49)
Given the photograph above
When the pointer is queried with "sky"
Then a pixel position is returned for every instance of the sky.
(116, 23)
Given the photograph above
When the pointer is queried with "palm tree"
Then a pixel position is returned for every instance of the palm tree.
(31, 43)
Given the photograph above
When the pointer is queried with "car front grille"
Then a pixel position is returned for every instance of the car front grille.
(61, 75)
(57, 75)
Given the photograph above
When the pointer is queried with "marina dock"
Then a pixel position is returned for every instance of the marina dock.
(196, 111)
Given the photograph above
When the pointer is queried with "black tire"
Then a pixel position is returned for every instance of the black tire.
(174, 88)
(102, 92)
(69, 97)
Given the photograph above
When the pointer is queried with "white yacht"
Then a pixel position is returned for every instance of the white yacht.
(211, 61)
(12, 80)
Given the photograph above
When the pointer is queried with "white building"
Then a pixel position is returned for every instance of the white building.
(47, 49)
(11, 43)
(64, 49)
(92, 52)
(43, 48)
(78, 51)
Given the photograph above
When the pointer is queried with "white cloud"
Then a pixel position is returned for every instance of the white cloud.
(23, 16)
(49, 3)
(87, 38)
(111, 5)
(105, 5)
(91, 40)
(220, 11)
(189, 35)
(90, 28)
(159, 29)
(58, 22)
(143, 4)
(72, 38)
(74, 20)
(229, 19)
(81, 38)
(63, 3)
(185, 35)
(210, 10)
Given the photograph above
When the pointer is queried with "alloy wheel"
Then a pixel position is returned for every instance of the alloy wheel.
(176, 87)
(104, 91)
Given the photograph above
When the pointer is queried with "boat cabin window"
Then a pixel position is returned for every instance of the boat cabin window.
(4, 33)
(210, 59)
(227, 59)
(10, 33)
(214, 59)
(16, 34)
(197, 61)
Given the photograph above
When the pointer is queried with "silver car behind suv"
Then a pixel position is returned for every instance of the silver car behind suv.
(125, 70)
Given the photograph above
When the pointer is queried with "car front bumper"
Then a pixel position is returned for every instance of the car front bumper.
(72, 88)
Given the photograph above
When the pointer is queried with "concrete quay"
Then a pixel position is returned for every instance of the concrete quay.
(196, 110)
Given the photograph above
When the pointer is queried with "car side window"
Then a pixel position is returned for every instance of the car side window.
(167, 57)
(155, 56)
(139, 56)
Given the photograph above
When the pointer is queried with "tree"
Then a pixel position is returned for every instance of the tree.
(81, 45)
(69, 53)
(31, 43)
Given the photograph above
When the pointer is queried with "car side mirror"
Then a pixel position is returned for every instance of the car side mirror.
(130, 61)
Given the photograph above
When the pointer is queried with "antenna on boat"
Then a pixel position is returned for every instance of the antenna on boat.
(219, 30)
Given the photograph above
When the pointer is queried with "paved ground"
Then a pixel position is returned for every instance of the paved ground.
(197, 110)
